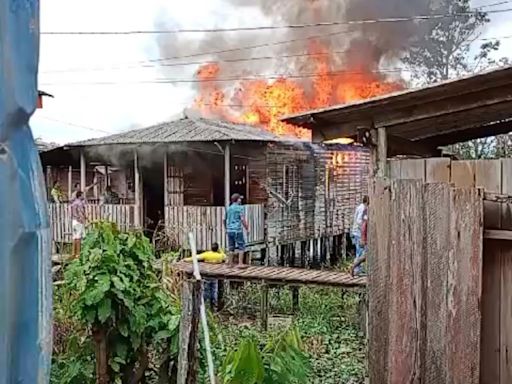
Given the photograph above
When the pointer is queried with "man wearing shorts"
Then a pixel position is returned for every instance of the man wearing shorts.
(77, 222)
(235, 224)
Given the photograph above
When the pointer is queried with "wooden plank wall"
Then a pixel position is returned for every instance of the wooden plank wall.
(425, 283)
(60, 219)
(494, 176)
(207, 225)
(320, 186)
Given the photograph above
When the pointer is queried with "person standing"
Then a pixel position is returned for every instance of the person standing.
(235, 223)
(78, 220)
(360, 219)
(56, 193)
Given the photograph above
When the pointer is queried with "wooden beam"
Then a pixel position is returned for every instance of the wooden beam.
(136, 180)
(70, 182)
(458, 136)
(400, 146)
(497, 234)
(382, 152)
(227, 175)
(444, 106)
(82, 172)
(264, 306)
(166, 192)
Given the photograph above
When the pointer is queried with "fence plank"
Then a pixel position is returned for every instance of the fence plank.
(405, 291)
(438, 170)
(490, 331)
(465, 286)
(506, 188)
(378, 264)
(437, 237)
(463, 173)
(506, 314)
(413, 169)
(488, 176)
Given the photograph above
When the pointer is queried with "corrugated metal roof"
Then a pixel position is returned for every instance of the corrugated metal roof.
(187, 130)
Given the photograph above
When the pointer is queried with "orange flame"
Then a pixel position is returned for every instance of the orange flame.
(262, 102)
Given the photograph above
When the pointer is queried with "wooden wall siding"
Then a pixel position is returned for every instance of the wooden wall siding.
(175, 185)
(493, 176)
(319, 201)
(425, 283)
(118, 179)
(207, 225)
(60, 220)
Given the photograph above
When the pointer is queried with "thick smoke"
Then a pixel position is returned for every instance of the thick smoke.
(354, 47)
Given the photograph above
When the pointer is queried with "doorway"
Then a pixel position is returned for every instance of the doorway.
(153, 192)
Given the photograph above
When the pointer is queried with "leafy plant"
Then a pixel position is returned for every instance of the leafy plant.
(281, 360)
(120, 300)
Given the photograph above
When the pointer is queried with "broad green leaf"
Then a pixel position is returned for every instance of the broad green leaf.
(104, 310)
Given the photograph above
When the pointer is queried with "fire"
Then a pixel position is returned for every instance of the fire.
(262, 102)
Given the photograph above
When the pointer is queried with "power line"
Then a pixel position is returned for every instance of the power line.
(252, 78)
(73, 124)
(229, 50)
(276, 27)
(249, 59)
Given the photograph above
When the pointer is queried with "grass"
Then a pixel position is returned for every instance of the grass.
(327, 321)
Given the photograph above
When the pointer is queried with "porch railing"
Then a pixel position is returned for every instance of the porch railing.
(207, 224)
(60, 218)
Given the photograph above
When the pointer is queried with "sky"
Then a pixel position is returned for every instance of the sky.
(116, 98)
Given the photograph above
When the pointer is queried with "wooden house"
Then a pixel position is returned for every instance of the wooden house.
(299, 197)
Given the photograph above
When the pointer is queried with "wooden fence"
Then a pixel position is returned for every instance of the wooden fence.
(495, 177)
(60, 219)
(207, 225)
(425, 283)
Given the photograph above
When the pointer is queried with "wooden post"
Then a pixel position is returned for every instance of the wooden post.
(188, 359)
(166, 192)
(382, 153)
(264, 306)
(48, 180)
(70, 182)
(295, 299)
(83, 180)
(95, 188)
(107, 178)
(227, 175)
(137, 190)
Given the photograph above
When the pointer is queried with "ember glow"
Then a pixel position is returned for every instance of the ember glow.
(261, 102)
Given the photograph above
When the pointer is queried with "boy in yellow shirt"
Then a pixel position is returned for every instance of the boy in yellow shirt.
(214, 256)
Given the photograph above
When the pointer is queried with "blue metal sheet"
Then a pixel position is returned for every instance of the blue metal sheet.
(25, 265)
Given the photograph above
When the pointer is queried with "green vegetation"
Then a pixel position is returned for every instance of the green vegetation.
(113, 317)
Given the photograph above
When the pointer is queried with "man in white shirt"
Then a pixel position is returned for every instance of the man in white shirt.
(360, 216)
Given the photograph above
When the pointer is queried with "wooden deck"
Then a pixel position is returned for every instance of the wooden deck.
(275, 275)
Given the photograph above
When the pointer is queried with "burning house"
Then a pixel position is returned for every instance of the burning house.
(299, 196)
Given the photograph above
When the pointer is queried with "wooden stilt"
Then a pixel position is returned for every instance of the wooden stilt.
(188, 359)
(264, 306)
(295, 299)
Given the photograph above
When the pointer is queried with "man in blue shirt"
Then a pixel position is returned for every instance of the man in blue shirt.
(235, 223)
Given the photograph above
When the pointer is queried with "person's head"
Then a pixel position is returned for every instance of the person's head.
(366, 200)
(108, 188)
(55, 184)
(215, 247)
(236, 198)
(79, 195)
(77, 186)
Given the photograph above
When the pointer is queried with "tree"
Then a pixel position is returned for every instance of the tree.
(118, 298)
(444, 50)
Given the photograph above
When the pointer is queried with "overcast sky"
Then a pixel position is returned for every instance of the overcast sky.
(82, 111)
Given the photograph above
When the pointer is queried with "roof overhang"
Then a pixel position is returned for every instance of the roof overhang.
(437, 115)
